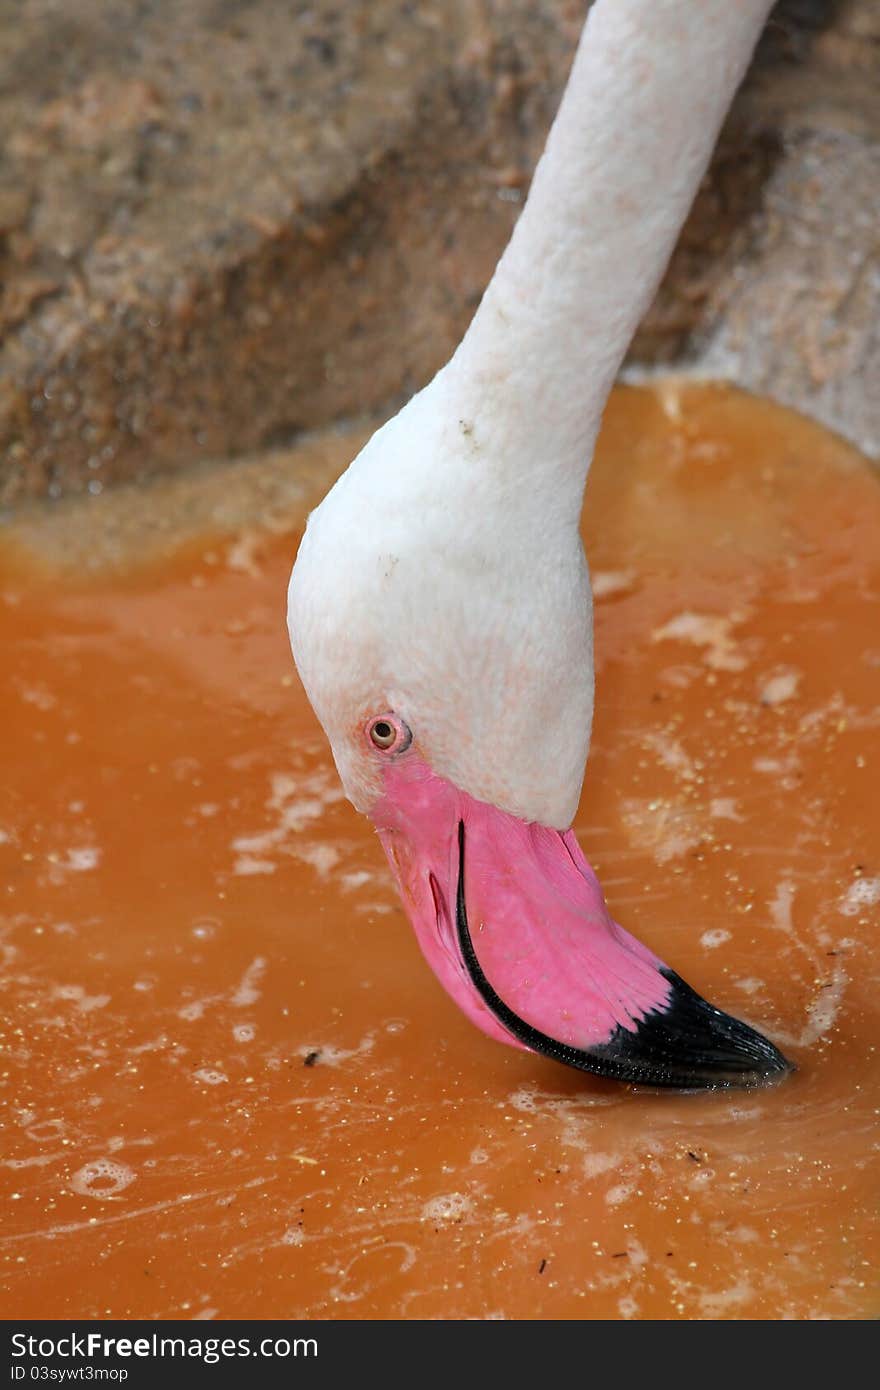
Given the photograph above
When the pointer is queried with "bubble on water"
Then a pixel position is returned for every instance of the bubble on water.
(204, 928)
(80, 861)
(620, 1193)
(452, 1206)
(322, 858)
(190, 1012)
(710, 631)
(716, 937)
(247, 991)
(743, 1235)
(779, 688)
(357, 878)
(524, 1100)
(596, 1163)
(35, 1162)
(745, 1112)
(247, 865)
(102, 1179)
(716, 1305)
(244, 1032)
(75, 994)
(45, 1130)
(479, 1156)
(210, 1076)
(861, 893)
(331, 1056)
(608, 582)
(750, 984)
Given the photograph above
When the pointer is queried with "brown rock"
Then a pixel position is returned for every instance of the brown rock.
(223, 223)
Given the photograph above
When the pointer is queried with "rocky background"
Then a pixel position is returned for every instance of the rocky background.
(224, 223)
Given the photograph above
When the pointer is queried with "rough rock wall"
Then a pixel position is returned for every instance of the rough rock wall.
(224, 222)
(797, 314)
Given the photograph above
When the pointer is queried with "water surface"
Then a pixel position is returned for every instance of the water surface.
(232, 1087)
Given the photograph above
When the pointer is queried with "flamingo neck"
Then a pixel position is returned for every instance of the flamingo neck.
(651, 83)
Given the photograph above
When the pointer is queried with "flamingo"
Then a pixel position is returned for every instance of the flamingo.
(440, 609)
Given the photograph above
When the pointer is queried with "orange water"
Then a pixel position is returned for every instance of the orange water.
(232, 1086)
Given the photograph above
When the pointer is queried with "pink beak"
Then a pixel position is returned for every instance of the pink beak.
(514, 924)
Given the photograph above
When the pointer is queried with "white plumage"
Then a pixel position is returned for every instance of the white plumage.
(443, 576)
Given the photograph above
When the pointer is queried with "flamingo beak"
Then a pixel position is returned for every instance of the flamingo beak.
(512, 920)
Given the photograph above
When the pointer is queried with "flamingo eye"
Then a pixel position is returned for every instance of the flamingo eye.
(389, 734)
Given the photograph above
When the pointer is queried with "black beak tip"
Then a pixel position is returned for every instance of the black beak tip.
(692, 1046)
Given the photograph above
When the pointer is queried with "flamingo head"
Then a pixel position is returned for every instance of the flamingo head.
(440, 619)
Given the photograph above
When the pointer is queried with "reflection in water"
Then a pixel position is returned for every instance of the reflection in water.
(235, 1089)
